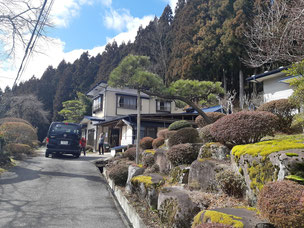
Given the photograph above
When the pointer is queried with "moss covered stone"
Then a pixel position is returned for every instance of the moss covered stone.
(217, 218)
(292, 154)
(265, 148)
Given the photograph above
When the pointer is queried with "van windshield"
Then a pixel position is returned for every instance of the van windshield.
(65, 128)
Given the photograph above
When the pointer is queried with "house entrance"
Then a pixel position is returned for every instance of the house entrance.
(114, 137)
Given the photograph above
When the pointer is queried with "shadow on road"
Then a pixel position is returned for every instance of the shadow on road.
(20, 174)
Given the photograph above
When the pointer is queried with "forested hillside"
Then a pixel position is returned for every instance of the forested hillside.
(204, 40)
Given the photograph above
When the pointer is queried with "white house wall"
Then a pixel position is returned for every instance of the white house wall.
(126, 135)
(274, 90)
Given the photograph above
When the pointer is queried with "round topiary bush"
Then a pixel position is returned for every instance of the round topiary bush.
(179, 125)
(146, 143)
(13, 119)
(205, 135)
(283, 109)
(182, 154)
(162, 133)
(231, 183)
(244, 127)
(18, 150)
(158, 142)
(213, 116)
(282, 202)
(119, 174)
(130, 153)
(18, 132)
(185, 135)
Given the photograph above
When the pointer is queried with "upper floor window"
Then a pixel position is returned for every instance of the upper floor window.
(128, 102)
(163, 106)
(97, 104)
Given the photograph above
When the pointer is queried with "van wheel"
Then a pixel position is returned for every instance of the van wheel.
(47, 154)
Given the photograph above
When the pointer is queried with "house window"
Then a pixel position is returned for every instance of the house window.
(97, 104)
(163, 106)
(127, 102)
(151, 132)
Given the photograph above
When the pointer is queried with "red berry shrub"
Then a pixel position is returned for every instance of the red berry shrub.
(185, 135)
(158, 142)
(282, 202)
(146, 143)
(244, 127)
(283, 110)
(213, 116)
(182, 154)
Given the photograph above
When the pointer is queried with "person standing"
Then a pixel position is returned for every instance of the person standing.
(100, 143)
(83, 143)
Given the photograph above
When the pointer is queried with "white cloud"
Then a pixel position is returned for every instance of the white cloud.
(55, 49)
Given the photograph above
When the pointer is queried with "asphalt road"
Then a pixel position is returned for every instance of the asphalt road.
(57, 192)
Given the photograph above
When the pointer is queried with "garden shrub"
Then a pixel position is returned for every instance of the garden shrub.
(185, 135)
(179, 125)
(283, 109)
(13, 119)
(158, 142)
(282, 203)
(162, 133)
(213, 116)
(297, 124)
(18, 132)
(119, 174)
(18, 150)
(244, 127)
(130, 153)
(231, 183)
(146, 143)
(148, 160)
(205, 135)
(182, 154)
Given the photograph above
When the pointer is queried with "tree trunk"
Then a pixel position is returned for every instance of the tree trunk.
(241, 94)
(224, 81)
(138, 126)
(190, 103)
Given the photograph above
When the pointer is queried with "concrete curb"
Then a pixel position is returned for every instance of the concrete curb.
(125, 204)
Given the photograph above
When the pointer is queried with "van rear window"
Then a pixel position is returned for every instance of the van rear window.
(65, 128)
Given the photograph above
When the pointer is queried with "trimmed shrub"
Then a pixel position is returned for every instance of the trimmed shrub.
(213, 116)
(119, 174)
(283, 110)
(130, 153)
(179, 125)
(185, 135)
(18, 132)
(182, 154)
(162, 133)
(231, 183)
(146, 143)
(158, 142)
(18, 150)
(244, 127)
(297, 124)
(148, 160)
(205, 135)
(13, 119)
(282, 203)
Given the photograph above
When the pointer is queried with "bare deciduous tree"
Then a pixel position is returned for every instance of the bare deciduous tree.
(276, 33)
(227, 101)
(18, 19)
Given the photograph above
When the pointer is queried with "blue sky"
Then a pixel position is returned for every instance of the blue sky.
(83, 25)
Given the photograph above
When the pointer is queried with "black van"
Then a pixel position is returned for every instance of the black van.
(63, 138)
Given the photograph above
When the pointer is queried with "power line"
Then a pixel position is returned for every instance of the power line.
(29, 43)
(37, 36)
